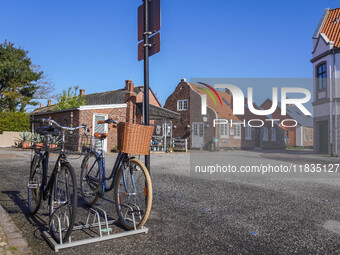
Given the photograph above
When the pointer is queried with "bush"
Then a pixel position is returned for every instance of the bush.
(14, 121)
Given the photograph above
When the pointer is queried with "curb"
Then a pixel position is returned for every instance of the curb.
(11, 239)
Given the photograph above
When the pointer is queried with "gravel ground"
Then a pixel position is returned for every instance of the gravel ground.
(225, 213)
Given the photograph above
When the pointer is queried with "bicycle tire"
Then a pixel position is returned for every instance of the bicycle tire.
(125, 201)
(63, 203)
(87, 189)
(35, 178)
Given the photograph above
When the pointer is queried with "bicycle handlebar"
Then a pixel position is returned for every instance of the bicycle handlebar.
(108, 121)
(42, 121)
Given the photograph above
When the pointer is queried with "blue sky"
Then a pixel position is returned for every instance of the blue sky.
(93, 44)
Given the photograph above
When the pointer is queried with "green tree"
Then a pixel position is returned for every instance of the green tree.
(14, 121)
(69, 99)
(18, 79)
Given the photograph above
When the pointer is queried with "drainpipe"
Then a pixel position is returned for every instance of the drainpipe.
(331, 108)
(335, 103)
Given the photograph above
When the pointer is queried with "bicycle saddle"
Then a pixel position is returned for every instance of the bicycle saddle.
(48, 130)
(100, 135)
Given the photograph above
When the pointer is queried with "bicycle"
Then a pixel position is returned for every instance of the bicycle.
(60, 189)
(131, 182)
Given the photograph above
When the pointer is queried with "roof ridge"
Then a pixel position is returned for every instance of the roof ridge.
(103, 92)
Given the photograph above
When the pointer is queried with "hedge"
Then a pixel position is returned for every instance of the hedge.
(14, 121)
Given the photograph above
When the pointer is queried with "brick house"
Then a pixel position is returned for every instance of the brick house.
(122, 104)
(302, 134)
(326, 74)
(200, 131)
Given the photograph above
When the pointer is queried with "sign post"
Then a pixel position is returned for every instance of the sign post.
(148, 23)
(146, 73)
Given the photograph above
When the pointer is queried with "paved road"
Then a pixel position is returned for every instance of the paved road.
(225, 213)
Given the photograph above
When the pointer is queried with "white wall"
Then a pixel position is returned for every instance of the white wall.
(321, 110)
(299, 136)
(8, 138)
(322, 45)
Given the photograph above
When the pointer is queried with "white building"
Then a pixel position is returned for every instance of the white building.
(326, 73)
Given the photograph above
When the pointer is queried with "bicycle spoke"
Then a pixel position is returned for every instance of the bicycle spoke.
(133, 194)
(63, 203)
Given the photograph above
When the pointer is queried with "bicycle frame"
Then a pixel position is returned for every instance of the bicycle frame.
(47, 185)
(100, 160)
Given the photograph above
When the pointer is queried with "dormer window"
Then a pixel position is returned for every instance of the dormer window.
(322, 76)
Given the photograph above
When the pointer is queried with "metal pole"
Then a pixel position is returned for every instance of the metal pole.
(146, 72)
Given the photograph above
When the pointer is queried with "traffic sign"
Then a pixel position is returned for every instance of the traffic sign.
(155, 46)
(154, 18)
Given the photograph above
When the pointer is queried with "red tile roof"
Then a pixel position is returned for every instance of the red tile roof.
(331, 26)
(223, 111)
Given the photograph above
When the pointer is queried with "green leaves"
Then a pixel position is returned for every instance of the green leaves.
(18, 79)
(69, 99)
(14, 121)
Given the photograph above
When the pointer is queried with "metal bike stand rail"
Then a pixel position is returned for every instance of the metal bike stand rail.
(103, 234)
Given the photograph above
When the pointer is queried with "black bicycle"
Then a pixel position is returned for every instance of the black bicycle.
(61, 188)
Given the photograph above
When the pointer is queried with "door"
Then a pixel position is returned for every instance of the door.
(99, 128)
(257, 137)
(323, 137)
(197, 134)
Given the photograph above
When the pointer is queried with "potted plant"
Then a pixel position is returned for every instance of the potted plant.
(25, 140)
(37, 141)
(55, 140)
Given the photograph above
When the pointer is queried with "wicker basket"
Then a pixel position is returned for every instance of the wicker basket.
(134, 139)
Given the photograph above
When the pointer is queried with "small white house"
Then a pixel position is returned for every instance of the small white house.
(326, 73)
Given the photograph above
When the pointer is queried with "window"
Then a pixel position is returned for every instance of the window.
(201, 128)
(310, 135)
(304, 134)
(265, 134)
(322, 76)
(182, 105)
(248, 133)
(237, 131)
(224, 130)
(196, 130)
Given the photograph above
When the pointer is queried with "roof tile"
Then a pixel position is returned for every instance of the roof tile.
(331, 26)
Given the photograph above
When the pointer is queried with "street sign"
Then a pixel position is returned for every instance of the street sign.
(154, 41)
(154, 18)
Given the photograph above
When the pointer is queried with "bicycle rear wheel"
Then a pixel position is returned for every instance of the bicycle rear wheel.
(134, 198)
(34, 187)
(90, 185)
(63, 202)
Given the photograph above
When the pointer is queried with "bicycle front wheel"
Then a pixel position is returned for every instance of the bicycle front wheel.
(90, 179)
(34, 186)
(133, 194)
(63, 202)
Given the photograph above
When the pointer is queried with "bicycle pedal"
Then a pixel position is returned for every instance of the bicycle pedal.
(140, 212)
(33, 185)
(89, 194)
(98, 190)
(57, 203)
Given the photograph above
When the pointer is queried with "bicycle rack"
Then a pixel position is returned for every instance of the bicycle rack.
(102, 235)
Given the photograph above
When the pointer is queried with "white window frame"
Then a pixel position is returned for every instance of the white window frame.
(181, 105)
(304, 134)
(265, 134)
(310, 135)
(237, 129)
(105, 126)
(224, 127)
(273, 134)
(248, 134)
